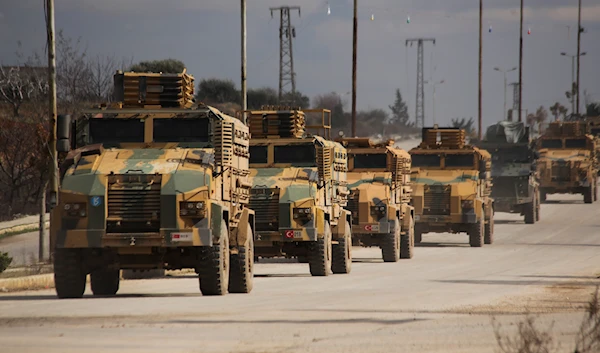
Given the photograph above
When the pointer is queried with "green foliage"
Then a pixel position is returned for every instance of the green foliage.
(299, 100)
(558, 110)
(262, 96)
(400, 117)
(167, 66)
(5, 261)
(468, 124)
(593, 109)
(216, 91)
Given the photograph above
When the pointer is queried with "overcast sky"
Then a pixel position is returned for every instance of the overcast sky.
(205, 34)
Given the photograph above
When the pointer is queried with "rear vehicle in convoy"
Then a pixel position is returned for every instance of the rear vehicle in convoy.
(299, 190)
(153, 182)
(567, 161)
(379, 185)
(515, 186)
(452, 187)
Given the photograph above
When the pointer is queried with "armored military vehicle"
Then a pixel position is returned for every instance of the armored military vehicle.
(594, 126)
(379, 184)
(568, 162)
(515, 184)
(153, 181)
(299, 190)
(451, 183)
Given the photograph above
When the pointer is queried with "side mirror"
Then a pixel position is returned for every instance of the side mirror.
(63, 132)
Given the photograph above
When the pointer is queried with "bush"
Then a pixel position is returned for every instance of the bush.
(5, 261)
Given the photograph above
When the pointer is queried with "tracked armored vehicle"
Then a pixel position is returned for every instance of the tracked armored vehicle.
(379, 185)
(452, 186)
(299, 190)
(568, 161)
(515, 184)
(153, 182)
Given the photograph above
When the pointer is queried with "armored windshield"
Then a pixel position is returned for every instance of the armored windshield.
(460, 161)
(181, 130)
(296, 155)
(259, 154)
(512, 155)
(425, 160)
(552, 143)
(113, 131)
(370, 161)
(575, 143)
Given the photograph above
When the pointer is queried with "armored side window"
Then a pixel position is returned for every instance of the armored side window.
(552, 143)
(259, 154)
(460, 161)
(296, 155)
(575, 143)
(181, 130)
(109, 131)
(426, 160)
(370, 161)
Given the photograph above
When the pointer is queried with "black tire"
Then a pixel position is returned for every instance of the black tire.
(241, 272)
(319, 254)
(390, 245)
(588, 194)
(530, 209)
(488, 237)
(476, 233)
(105, 281)
(595, 191)
(341, 260)
(303, 259)
(214, 279)
(69, 277)
(418, 236)
(543, 196)
(407, 241)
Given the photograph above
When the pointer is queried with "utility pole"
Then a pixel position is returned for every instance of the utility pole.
(573, 92)
(244, 62)
(504, 72)
(420, 106)
(287, 77)
(521, 65)
(52, 110)
(354, 49)
(579, 30)
(480, 113)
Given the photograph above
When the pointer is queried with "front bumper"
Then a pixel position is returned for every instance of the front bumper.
(468, 216)
(96, 238)
(383, 227)
(288, 235)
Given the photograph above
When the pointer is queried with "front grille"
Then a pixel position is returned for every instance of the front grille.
(133, 207)
(265, 203)
(353, 204)
(510, 187)
(437, 200)
(561, 171)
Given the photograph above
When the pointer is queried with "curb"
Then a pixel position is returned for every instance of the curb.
(44, 281)
(22, 227)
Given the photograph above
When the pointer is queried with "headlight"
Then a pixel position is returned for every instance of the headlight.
(192, 209)
(467, 204)
(303, 212)
(75, 209)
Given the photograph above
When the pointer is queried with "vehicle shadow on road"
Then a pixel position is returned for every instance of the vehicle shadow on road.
(515, 282)
(563, 202)
(297, 321)
(508, 221)
(556, 244)
(440, 245)
(282, 275)
(96, 297)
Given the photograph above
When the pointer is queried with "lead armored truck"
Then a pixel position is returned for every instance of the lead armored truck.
(299, 190)
(379, 185)
(515, 186)
(452, 186)
(153, 182)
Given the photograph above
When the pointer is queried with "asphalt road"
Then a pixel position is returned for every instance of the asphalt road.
(428, 303)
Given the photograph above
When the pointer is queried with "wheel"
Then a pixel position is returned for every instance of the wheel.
(530, 212)
(588, 194)
(214, 279)
(303, 259)
(537, 208)
(407, 241)
(69, 277)
(390, 245)
(595, 191)
(241, 270)
(319, 254)
(476, 233)
(543, 196)
(418, 236)
(341, 261)
(105, 281)
(143, 274)
(489, 230)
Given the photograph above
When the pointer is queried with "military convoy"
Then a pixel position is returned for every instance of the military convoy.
(379, 185)
(452, 185)
(299, 190)
(568, 161)
(515, 186)
(153, 181)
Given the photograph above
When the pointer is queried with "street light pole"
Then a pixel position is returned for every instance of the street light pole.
(521, 65)
(244, 62)
(434, 84)
(480, 104)
(505, 84)
(579, 30)
(573, 92)
(354, 44)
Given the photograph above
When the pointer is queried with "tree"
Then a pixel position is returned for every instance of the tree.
(372, 122)
(557, 110)
(261, 96)
(300, 100)
(593, 109)
(463, 123)
(400, 116)
(167, 66)
(215, 91)
(332, 101)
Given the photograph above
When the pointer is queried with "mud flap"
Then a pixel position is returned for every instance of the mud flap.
(239, 235)
(339, 231)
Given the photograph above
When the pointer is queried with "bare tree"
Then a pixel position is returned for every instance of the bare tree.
(588, 338)
(528, 338)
